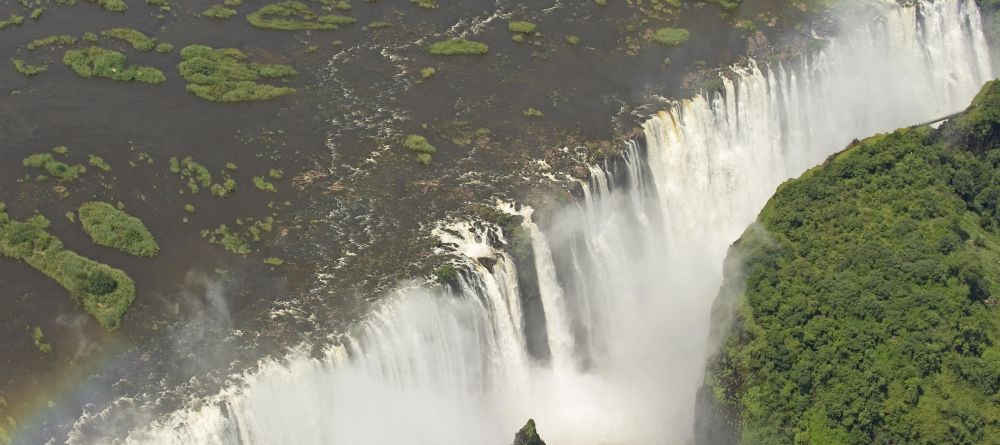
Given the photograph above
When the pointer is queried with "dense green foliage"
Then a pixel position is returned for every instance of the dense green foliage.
(13, 20)
(218, 12)
(671, 36)
(295, 15)
(136, 38)
(864, 297)
(28, 70)
(39, 337)
(101, 62)
(522, 27)
(110, 227)
(103, 291)
(63, 39)
(421, 146)
(224, 75)
(458, 47)
(54, 168)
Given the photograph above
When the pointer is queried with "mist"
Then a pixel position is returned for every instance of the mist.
(626, 277)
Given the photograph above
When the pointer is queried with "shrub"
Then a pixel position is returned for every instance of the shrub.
(573, 40)
(101, 62)
(522, 27)
(113, 5)
(261, 184)
(13, 20)
(455, 47)
(426, 4)
(218, 12)
(63, 39)
(274, 261)
(671, 36)
(531, 112)
(97, 161)
(446, 273)
(38, 336)
(28, 241)
(223, 75)
(110, 227)
(136, 38)
(59, 170)
(28, 70)
(164, 48)
(427, 72)
(294, 15)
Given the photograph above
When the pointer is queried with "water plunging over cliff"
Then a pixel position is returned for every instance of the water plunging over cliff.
(625, 279)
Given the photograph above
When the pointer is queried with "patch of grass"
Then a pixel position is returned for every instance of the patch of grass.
(13, 20)
(426, 4)
(531, 112)
(421, 146)
(295, 15)
(42, 346)
(428, 72)
(110, 227)
(104, 292)
(274, 261)
(37, 13)
(112, 5)
(458, 47)
(218, 12)
(601, 3)
(261, 184)
(378, 24)
(63, 39)
(26, 69)
(239, 239)
(59, 170)
(573, 40)
(189, 208)
(275, 173)
(89, 37)
(60, 150)
(98, 162)
(101, 62)
(195, 173)
(671, 36)
(224, 75)
(522, 27)
(136, 38)
(164, 48)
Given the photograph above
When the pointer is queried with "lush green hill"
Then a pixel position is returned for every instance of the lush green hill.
(864, 297)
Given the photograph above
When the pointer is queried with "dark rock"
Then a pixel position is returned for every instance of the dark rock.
(528, 435)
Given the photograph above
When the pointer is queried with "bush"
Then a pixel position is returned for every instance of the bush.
(101, 62)
(218, 12)
(428, 72)
(455, 47)
(59, 170)
(294, 15)
(113, 5)
(110, 227)
(63, 39)
(671, 36)
(28, 241)
(573, 40)
(164, 48)
(223, 75)
(137, 39)
(97, 161)
(261, 184)
(522, 27)
(531, 112)
(28, 70)
(13, 20)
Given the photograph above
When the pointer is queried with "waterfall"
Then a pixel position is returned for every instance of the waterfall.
(626, 276)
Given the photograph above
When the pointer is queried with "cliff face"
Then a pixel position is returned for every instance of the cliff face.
(860, 307)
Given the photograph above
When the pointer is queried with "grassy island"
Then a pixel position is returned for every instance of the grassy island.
(458, 47)
(224, 75)
(104, 292)
(111, 227)
(295, 15)
(100, 62)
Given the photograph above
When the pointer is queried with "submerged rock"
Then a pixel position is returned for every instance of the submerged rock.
(528, 435)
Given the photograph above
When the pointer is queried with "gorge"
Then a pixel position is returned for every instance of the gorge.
(594, 320)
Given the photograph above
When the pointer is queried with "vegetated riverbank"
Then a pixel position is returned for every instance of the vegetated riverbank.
(861, 307)
(357, 202)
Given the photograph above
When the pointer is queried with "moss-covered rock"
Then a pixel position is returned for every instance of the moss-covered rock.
(528, 435)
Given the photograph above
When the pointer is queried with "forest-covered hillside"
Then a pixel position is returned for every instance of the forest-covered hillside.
(862, 306)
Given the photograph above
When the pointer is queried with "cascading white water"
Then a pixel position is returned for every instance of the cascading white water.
(626, 278)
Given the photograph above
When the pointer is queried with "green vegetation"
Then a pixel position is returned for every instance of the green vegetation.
(421, 146)
(446, 274)
(195, 173)
(103, 292)
(136, 38)
(274, 261)
(457, 47)
(112, 5)
(671, 36)
(89, 37)
(263, 185)
(60, 150)
(295, 15)
(531, 112)
(97, 161)
(428, 72)
(378, 24)
(71, 217)
(601, 3)
(865, 297)
(28, 70)
(218, 12)
(238, 240)
(573, 40)
(37, 13)
(13, 20)
(101, 62)
(223, 75)
(230, 166)
(59, 170)
(38, 337)
(189, 208)
(164, 48)
(275, 173)
(110, 227)
(522, 27)
(426, 4)
(63, 39)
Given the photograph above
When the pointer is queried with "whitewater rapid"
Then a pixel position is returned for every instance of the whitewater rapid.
(625, 277)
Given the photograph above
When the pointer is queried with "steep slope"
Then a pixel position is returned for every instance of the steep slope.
(860, 307)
